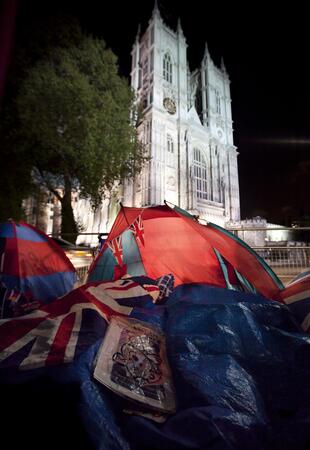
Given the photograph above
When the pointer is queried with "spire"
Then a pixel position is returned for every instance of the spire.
(156, 11)
(180, 32)
(223, 65)
(138, 32)
(206, 53)
(179, 28)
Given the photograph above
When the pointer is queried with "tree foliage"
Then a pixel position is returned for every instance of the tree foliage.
(74, 110)
(35, 38)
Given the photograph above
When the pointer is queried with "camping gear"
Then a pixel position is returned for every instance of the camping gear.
(158, 240)
(239, 362)
(32, 266)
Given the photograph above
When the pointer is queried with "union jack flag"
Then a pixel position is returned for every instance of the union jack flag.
(137, 229)
(58, 332)
(117, 249)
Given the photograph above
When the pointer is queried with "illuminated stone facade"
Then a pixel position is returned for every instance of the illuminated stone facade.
(186, 127)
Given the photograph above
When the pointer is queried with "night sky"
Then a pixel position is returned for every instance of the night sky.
(266, 54)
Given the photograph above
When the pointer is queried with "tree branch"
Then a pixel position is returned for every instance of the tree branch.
(49, 185)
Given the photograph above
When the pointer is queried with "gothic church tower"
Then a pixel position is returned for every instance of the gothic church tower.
(186, 127)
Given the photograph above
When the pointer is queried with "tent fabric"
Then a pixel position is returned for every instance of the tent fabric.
(32, 264)
(178, 244)
(296, 296)
(239, 362)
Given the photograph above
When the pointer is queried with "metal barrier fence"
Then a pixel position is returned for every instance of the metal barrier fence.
(286, 262)
(285, 249)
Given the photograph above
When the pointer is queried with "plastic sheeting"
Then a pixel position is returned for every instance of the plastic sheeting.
(241, 369)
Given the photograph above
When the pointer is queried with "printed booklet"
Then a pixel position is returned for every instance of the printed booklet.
(132, 362)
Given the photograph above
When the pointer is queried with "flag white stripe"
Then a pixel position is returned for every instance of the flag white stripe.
(299, 296)
(17, 345)
(99, 292)
(45, 334)
(71, 346)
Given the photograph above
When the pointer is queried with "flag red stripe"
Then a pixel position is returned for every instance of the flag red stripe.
(122, 288)
(58, 348)
(151, 288)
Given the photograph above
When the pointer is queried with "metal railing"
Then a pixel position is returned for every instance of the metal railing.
(286, 262)
(287, 257)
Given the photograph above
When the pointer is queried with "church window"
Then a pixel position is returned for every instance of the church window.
(152, 61)
(139, 77)
(147, 98)
(152, 35)
(145, 67)
(167, 68)
(198, 105)
(217, 191)
(148, 132)
(200, 174)
(134, 59)
(170, 151)
(218, 102)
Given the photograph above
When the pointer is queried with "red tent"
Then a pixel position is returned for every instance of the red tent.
(32, 266)
(159, 240)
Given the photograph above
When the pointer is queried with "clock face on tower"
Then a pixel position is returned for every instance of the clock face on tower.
(169, 105)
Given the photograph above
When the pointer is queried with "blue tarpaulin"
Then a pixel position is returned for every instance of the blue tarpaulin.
(241, 370)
